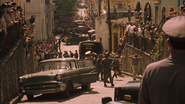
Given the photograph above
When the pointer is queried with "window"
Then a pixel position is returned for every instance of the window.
(27, 0)
(47, 2)
(180, 2)
(119, 4)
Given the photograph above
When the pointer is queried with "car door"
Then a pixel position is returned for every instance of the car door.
(87, 71)
(75, 74)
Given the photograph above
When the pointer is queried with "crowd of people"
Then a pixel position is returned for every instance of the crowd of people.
(50, 48)
(10, 15)
(111, 61)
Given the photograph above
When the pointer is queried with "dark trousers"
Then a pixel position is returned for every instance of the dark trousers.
(107, 74)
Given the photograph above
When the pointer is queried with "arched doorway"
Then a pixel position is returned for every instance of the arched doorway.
(115, 41)
(172, 9)
(163, 12)
(138, 12)
(149, 10)
(138, 6)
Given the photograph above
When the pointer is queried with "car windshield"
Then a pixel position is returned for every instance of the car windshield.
(54, 65)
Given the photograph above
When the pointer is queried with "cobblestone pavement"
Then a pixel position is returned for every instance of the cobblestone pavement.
(79, 96)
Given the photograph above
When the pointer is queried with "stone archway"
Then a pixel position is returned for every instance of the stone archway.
(149, 10)
(138, 6)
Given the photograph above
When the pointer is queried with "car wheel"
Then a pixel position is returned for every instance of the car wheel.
(66, 92)
(30, 97)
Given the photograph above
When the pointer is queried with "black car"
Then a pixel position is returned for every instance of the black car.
(124, 94)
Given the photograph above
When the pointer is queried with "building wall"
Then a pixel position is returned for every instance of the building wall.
(115, 3)
(161, 3)
(102, 31)
(44, 17)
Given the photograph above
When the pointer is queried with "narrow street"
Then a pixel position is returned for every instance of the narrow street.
(79, 96)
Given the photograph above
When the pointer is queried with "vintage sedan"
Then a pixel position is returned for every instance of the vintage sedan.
(58, 75)
(124, 94)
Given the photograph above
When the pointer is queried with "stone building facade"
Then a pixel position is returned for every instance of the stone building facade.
(101, 25)
(157, 8)
(43, 10)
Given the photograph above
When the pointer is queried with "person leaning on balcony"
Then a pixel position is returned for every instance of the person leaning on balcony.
(8, 16)
(164, 81)
(3, 23)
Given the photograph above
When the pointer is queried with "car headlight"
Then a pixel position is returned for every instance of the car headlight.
(58, 77)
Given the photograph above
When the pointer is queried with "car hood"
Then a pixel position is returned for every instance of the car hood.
(43, 76)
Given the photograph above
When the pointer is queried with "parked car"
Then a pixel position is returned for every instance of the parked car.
(124, 94)
(58, 75)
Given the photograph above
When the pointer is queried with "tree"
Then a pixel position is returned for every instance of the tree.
(66, 7)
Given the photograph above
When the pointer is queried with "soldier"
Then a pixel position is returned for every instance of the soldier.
(95, 58)
(76, 54)
(71, 54)
(60, 54)
(99, 66)
(88, 55)
(163, 82)
(115, 65)
(66, 54)
(106, 63)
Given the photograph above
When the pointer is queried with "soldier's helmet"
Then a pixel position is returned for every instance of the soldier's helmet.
(152, 27)
(106, 54)
(116, 56)
(95, 54)
(100, 55)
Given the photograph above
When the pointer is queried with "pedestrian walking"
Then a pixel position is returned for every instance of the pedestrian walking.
(106, 63)
(99, 66)
(164, 81)
(135, 60)
(115, 65)
(76, 54)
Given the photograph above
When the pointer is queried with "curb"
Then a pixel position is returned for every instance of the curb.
(16, 99)
(129, 74)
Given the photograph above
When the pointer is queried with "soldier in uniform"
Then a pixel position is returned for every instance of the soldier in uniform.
(115, 65)
(99, 66)
(60, 54)
(164, 81)
(76, 54)
(106, 63)
(65, 54)
(95, 58)
(88, 55)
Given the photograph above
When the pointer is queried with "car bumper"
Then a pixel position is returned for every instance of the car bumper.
(43, 88)
(120, 102)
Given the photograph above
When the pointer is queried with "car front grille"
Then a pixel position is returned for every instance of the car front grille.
(40, 86)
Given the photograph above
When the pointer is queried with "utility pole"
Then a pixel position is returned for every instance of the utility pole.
(110, 31)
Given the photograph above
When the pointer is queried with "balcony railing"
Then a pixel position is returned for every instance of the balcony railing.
(14, 33)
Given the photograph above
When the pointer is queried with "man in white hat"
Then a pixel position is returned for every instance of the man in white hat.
(88, 55)
(164, 81)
